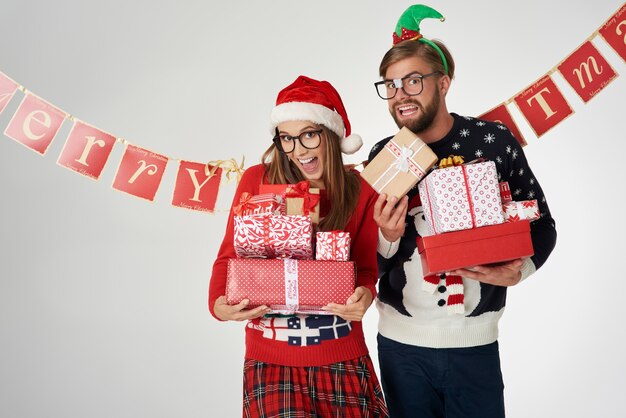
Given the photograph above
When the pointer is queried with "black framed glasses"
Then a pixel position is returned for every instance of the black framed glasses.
(287, 143)
(411, 85)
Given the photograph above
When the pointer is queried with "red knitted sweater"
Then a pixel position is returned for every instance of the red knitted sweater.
(338, 340)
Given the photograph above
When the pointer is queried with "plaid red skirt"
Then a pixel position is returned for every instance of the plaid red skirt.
(346, 389)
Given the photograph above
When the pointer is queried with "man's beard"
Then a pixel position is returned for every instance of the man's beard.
(423, 121)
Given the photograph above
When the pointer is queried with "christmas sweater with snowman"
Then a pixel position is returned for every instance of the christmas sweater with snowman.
(410, 315)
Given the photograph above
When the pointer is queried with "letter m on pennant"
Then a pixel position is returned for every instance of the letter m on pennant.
(587, 71)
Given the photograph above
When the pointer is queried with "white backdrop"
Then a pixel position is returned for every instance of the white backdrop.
(103, 295)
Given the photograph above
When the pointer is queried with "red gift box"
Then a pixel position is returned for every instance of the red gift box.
(517, 211)
(332, 245)
(250, 204)
(474, 247)
(273, 236)
(299, 198)
(289, 286)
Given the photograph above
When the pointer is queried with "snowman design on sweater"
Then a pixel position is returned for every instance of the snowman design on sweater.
(411, 315)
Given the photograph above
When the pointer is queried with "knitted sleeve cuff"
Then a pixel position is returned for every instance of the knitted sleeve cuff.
(385, 248)
(528, 268)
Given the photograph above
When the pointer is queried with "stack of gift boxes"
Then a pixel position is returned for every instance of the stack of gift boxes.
(469, 221)
(276, 264)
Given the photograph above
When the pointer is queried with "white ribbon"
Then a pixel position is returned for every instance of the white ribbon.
(402, 161)
(291, 284)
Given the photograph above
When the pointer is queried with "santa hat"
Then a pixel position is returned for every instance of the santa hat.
(316, 101)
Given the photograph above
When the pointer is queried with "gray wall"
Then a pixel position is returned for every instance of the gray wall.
(103, 295)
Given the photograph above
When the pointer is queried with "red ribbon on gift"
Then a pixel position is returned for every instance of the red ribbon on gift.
(334, 235)
(456, 161)
(301, 190)
(469, 196)
(244, 203)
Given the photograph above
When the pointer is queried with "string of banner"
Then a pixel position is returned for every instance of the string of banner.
(36, 122)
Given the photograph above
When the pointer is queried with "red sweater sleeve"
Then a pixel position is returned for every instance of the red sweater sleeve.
(249, 182)
(364, 233)
(361, 226)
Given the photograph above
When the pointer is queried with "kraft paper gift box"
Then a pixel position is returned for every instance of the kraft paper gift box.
(273, 236)
(300, 199)
(473, 247)
(250, 204)
(461, 197)
(332, 245)
(525, 209)
(398, 167)
(288, 286)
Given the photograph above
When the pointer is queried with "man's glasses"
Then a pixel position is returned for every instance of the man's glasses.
(287, 143)
(411, 85)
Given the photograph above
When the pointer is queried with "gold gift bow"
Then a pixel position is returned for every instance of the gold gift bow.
(229, 166)
(451, 161)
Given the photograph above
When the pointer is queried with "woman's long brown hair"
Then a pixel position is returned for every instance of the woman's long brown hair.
(342, 186)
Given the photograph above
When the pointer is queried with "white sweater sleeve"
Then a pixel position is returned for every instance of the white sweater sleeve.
(385, 248)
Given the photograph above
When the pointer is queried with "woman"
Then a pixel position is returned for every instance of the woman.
(333, 375)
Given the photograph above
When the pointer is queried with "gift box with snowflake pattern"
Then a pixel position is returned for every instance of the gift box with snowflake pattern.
(516, 211)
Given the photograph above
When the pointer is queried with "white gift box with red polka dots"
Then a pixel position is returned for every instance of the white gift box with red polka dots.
(273, 236)
(332, 245)
(461, 197)
(289, 286)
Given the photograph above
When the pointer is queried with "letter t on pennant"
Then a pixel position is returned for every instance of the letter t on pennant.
(543, 105)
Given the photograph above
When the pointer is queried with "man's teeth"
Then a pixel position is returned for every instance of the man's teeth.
(409, 108)
(308, 160)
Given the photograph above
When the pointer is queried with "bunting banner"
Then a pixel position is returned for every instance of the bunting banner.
(87, 149)
(8, 88)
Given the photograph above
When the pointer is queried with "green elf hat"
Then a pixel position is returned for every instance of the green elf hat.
(408, 28)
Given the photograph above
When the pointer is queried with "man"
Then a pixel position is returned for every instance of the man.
(435, 363)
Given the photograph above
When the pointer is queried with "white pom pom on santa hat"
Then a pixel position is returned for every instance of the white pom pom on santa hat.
(318, 102)
(351, 144)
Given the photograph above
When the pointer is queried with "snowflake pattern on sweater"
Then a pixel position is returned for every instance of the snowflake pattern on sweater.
(412, 316)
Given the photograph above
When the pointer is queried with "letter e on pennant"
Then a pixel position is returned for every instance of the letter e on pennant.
(35, 123)
(140, 172)
(587, 71)
(8, 88)
(195, 188)
(501, 115)
(614, 32)
(86, 150)
(543, 105)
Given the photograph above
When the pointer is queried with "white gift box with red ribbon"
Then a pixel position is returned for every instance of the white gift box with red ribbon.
(273, 236)
(461, 197)
(333, 246)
